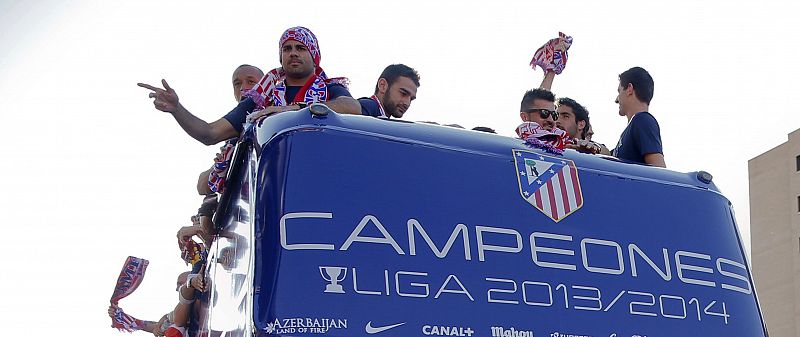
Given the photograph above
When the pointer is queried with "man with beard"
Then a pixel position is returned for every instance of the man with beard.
(574, 119)
(298, 82)
(396, 88)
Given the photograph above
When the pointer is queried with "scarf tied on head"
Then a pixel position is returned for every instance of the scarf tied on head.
(271, 89)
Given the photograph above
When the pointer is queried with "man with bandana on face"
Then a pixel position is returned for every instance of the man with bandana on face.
(396, 88)
(298, 82)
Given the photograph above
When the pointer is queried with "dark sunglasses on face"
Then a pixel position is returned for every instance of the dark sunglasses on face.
(544, 113)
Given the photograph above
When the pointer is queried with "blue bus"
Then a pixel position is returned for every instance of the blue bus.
(347, 226)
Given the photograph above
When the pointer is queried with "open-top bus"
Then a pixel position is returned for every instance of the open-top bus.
(337, 225)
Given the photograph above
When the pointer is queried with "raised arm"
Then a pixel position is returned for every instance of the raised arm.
(166, 100)
(206, 133)
(547, 81)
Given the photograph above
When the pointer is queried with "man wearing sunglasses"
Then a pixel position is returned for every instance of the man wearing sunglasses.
(538, 113)
(538, 105)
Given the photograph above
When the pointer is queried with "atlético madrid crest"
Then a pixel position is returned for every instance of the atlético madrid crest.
(548, 183)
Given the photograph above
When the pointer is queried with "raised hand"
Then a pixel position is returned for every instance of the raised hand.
(186, 233)
(164, 99)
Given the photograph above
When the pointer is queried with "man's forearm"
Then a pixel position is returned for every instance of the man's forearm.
(195, 127)
(182, 310)
(150, 326)
(345, 105)
(547, 81)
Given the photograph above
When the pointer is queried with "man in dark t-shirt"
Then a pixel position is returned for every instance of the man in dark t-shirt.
(238, 116)
(640, 142)
(299, 81)
(396, 88)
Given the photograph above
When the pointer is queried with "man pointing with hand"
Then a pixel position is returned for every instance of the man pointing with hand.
(298, 82)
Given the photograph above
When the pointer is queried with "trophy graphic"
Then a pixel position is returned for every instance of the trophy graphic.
(332, 275)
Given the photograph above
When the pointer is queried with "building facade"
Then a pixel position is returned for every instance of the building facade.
(775, 232)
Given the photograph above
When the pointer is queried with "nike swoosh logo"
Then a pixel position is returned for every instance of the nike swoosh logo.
(373, 330)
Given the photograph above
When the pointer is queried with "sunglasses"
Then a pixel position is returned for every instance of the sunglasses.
(544, 113)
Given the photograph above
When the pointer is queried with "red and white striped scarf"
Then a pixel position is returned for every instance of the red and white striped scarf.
(271, 89)
(129, 279)
(537, 136)
(552, 56)
(380, 106)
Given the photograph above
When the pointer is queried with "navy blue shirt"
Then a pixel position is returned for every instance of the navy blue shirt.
(369, 107)
(238, 116)
(642, 136)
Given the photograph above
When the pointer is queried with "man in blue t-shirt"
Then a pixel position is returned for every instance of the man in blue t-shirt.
(396, 88)
(244, 78)
(299, 81)
(640, 142)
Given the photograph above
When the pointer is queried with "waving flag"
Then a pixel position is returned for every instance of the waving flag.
(552, 56)
(129, 279)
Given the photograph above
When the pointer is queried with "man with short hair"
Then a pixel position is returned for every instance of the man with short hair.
(538, 114)
(245, 77)
(299, 82)
(640, 142)
(538, 105)
(572, 117)
(396, 88)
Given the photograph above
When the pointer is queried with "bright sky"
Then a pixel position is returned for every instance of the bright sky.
(94, 173)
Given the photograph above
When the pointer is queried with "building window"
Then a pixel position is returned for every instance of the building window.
(797, 159)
